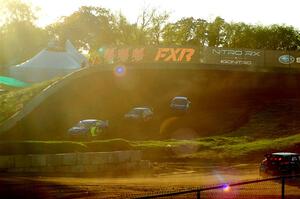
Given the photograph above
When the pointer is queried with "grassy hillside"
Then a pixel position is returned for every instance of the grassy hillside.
(210, 149)
(14, 100)
(276, 118)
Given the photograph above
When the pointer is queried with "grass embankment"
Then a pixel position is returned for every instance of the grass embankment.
(53, 147)
(14, 100)
(213, 149)
(217, 148)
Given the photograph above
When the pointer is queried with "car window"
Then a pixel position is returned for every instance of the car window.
(89, 123)
(137, 111)
(180, 101)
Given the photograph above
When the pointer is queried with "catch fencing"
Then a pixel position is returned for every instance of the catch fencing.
(283, 187)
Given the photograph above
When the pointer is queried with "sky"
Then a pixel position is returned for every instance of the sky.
(263, 12)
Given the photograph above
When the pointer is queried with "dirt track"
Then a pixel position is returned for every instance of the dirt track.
(174, 179)
(218, 97)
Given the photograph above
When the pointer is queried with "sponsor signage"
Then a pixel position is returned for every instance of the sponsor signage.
(236, 62)
(121, 55)
(286, 59)
(226, 56)
(174, 54)
(146, 55)
(237, 53)
(206, 55)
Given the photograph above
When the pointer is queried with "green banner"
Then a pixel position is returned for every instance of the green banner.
(12, 82)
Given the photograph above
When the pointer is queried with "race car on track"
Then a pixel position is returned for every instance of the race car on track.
(88, 128)
(180, 103)
(282, 163)
(139, 113)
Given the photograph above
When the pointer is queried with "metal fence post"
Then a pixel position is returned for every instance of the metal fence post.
(198, 194)
(282, 187)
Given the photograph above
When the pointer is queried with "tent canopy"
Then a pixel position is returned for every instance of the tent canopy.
(51, 59)
(48, 64)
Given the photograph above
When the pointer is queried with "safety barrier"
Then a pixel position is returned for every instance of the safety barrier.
(73, 162)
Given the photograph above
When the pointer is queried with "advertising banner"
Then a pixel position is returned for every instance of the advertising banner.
(294, 57)
(193, 55)
(283, 59)
(177, 55)
(112, 55)
(227, 56)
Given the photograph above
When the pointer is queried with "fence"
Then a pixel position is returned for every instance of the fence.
(283, 187)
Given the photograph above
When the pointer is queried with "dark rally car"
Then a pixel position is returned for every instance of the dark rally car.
(83, 128)
(282, 163)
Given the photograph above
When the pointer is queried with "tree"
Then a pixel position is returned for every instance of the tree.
(186, 31)
(201, 35)
(216, 33)
(283, 37)
(16, 11)
(239, 35)
(20, 38)
(89, 28)
(149, 26)
(125, 33)
(20, 41)
(156, 30)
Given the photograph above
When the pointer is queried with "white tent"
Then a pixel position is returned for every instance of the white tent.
(74, 53)
(48, 64)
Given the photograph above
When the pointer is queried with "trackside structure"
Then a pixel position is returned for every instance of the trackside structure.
(49, 63)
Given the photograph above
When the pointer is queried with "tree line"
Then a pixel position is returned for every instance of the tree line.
(92, 27)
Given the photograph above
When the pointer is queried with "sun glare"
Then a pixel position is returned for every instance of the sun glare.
(231, 10)
(120, 71)
(51, 11)
(226, 188)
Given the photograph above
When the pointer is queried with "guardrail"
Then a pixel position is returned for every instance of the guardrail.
(198, 193)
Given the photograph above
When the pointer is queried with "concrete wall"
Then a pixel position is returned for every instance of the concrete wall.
(74, 162)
